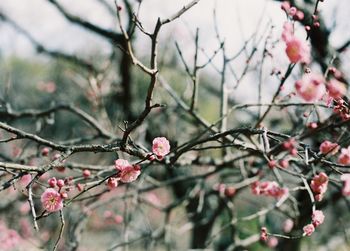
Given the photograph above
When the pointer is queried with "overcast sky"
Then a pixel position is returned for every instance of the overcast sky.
(235, 18)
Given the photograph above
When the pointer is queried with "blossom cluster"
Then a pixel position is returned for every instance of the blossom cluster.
(317, 219)
(269, 188)
(319, 185)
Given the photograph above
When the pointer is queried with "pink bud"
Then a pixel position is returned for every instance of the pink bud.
(45, 151)
(60, 183)
(292, 11)
(284, 163)
(271, 163)
(230, 191)
(86, 173)
(52, 182)
(118, 219)
(316, 24)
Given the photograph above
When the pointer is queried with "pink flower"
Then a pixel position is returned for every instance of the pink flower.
(319, 185)
(86, 173)
(263, 234)
(112, 183)
(308, 229)
(160, 147)
(317, 218)
(297, 50)
(272, 242)
(285, 6)
(336, 89)
(268, 188)
(328, 147)
(346, 186)
(51, 200)
(130, 174)
(310, 87)
(299, 15)
(288, 225)
(292, 11)
(26, 179)
(121, 164)
(118, 219)
(344, 157)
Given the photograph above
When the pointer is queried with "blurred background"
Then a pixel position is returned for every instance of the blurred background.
(63, 51)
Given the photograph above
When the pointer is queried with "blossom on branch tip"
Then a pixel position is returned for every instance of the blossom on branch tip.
(297, 50)
(308, 229)
(336, 89)
(269, 188)
(160, 147)
(51, 200)
(263, 234)
(121, 164)
(317, 218)
(328, 147)
(128, 172)
(311, 87)
(319, 185)
(344, 157)
(346, 184)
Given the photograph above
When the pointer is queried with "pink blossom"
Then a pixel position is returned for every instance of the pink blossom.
(292, 11)
(45, 151)
(328, 147)
(346, 185)
(311, 87)
(268, 188)
(299, 15)
(52, 182)
(86, 173)
(121, 164)
(317, 218)
(336, 89)
(297, 50)
(344, 157)
(160, 147)
(288, 225)
(9, 240)
(48, 87)
(24, 208)
(51, 200)
(26, 179)
(287, 32)
(112, 183)
(129, 174)
(284, 163)
(263, 234)
(308, 229)
(118, 219)
(319, 185)
(285, 6)
(272, 242)
(60, 183)
(230, 191)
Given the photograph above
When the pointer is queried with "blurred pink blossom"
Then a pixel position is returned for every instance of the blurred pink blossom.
(311, 87)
